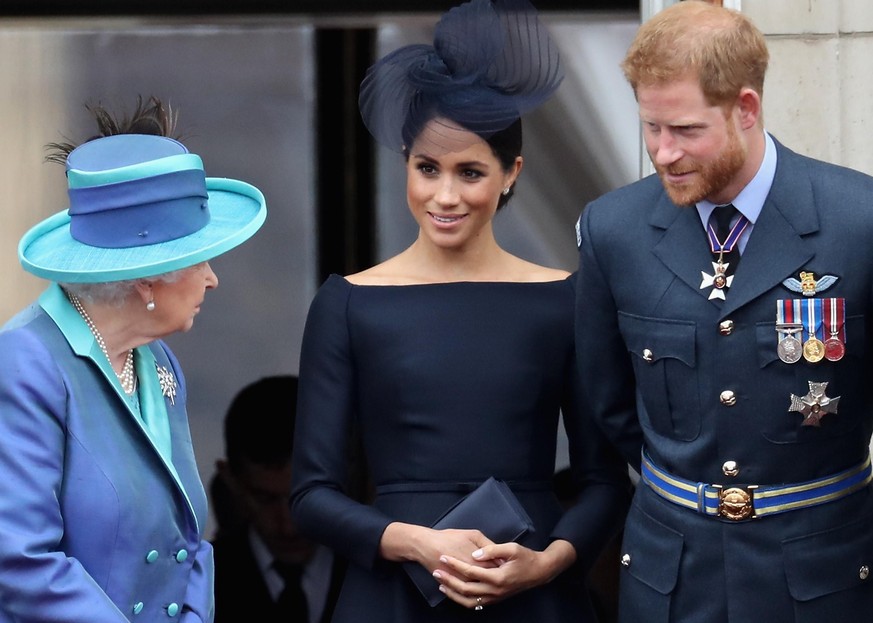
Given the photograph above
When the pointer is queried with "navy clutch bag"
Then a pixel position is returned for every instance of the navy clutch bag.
(491, 508)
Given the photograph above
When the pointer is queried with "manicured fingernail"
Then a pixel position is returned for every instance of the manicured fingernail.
(444, 560)
(442, 588)
(478, 553)
(437, 575)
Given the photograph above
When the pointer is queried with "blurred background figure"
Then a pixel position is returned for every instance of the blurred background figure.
(265, 571)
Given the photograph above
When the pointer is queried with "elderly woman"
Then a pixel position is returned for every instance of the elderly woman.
(101, 506)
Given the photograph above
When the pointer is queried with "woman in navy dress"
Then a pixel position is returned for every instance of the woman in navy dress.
(454, 359)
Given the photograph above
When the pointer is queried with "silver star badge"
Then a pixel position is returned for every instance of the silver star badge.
(168, 383)
(718, 281)
(815, 404)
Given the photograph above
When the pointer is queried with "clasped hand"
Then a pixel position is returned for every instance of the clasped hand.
(473, 570)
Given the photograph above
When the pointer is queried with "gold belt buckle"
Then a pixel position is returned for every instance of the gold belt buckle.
(736, 503)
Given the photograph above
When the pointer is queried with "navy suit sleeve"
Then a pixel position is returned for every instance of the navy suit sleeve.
(600, 476)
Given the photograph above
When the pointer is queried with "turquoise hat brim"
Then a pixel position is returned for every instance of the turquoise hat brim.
(237, 210)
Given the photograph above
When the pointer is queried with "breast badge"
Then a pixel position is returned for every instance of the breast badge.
(808, 285)
(815, 404)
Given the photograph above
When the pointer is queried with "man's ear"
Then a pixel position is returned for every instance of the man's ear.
(749, 107)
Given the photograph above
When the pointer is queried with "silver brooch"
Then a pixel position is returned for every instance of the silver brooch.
(168, 383)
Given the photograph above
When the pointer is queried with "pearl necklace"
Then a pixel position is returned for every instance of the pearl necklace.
(127, 377)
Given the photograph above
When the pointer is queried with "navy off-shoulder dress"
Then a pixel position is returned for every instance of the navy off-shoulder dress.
(449, 384)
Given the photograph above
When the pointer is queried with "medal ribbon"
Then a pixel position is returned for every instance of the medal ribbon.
(812, 318)
(835, 318)
(728, 245)
(784, 316)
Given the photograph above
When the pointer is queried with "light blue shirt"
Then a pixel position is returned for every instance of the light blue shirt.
(751, 199)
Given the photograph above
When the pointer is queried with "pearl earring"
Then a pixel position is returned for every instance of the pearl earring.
(150, 306)
(506, 191)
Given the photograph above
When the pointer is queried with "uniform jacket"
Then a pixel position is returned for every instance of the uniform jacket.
(94, 524)
(656, 355)
(241, 593)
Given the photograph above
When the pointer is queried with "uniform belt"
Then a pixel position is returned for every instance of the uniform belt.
(752, 501)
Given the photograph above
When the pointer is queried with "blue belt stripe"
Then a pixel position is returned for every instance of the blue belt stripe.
(766, 500)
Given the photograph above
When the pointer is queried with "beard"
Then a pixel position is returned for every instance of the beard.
(712, 176)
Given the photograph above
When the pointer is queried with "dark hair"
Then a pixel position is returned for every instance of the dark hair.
(259, 425)
(506, 145)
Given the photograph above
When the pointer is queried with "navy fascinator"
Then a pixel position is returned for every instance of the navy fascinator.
(490, 63)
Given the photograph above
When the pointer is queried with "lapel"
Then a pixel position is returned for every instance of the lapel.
(775, 249)
(181, 467)
(683, 248)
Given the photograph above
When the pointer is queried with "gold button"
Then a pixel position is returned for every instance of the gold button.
(728, 398)
(625, 560)
(730, 468)
(648, 355)
(725, 327)
(864, 572)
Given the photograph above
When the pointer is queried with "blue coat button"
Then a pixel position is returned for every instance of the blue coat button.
(152, 556)
(173, 610)
(182, 555)
(137, 607)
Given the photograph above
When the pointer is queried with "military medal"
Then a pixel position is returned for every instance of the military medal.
(815, 405)
(719, 281)
(789, 348)
(813, 348)
(834, 317)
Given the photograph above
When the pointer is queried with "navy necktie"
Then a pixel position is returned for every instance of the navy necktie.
(292, 601)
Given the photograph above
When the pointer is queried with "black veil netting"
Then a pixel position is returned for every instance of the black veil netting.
(490, 63)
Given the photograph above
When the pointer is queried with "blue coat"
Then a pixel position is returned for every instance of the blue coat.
(96, 524)
(656, 358)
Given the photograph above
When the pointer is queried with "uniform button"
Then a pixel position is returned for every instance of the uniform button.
(173, 609)
(730, 468)
(648, 355)
(863, 572)
(152, 556)
(728, 398)
(725, 327)
(625, 560)
(137, 607)
(182, 555)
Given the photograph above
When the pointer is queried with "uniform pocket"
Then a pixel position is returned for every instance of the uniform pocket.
(843, 379)
(651, 553)
(663, 355)
(830, 573)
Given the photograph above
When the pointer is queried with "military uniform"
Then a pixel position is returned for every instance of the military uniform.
(708, 389)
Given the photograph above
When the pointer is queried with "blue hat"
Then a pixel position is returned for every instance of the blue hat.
(140, 205)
